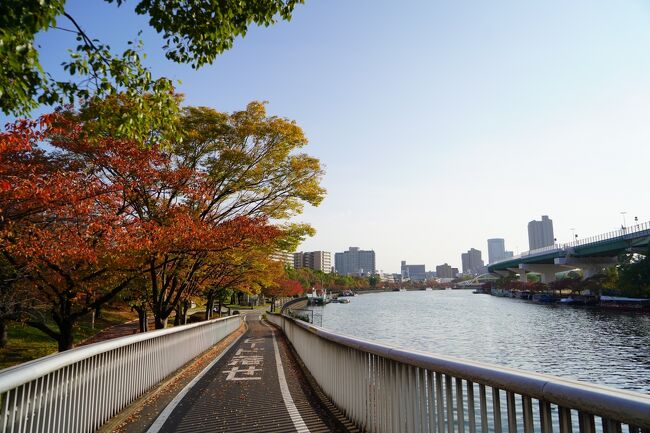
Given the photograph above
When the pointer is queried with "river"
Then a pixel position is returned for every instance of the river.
(605, 347)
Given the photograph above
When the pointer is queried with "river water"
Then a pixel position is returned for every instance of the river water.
(605, 347)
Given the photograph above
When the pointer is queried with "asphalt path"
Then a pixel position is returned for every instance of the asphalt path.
(254, 386)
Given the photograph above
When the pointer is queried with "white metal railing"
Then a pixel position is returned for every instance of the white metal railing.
(629, 232)
(387, 389)
(80, 389)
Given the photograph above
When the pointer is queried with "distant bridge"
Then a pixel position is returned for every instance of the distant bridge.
(477, 281)
(590, 254)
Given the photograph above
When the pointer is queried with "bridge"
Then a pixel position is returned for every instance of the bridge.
(590, 254)
(477, 281)
(253, 385)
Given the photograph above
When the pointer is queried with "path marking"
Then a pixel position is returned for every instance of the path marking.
(297, 420)
(164, 415)
(250, 358)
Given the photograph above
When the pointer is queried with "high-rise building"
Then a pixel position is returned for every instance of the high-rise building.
(413, 272)
(446, 271)
(496, 249)
(355, 262)
(472, 262)
(316, 260)
(540, 233)
(283, 256)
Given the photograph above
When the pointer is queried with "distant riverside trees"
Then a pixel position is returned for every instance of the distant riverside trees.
(630, 278)
(99, 216)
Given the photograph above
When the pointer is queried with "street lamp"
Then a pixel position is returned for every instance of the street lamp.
(624, 225)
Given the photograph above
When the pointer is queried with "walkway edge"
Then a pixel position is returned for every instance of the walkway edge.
(164, 415)
(294, 414)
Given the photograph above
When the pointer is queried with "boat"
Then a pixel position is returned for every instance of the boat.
(501, 293)
(347, 293)
(343, 301)
(318, 297)
(544, 298)
(623, 303)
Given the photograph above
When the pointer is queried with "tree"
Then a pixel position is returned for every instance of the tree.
(61, 229)
(194, 32)
(634, 274)
(208, 194)
(282, 287)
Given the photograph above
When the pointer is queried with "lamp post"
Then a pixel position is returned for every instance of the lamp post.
(624, 225)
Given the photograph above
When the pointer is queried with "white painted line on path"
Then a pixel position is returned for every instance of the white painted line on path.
(164, 415)
(297, 420)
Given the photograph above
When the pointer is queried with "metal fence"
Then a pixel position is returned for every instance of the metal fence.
(386, 389)
(80, 389)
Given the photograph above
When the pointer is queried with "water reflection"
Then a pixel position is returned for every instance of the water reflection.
(605, 347)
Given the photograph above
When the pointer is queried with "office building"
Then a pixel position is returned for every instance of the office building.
(355, 262)
(472, 262)
(540, 233)
(497, 250)
(446, 271)
(413, 272)
(316, 260)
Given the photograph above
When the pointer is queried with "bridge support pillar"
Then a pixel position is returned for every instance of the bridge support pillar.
(589, 266)
(521, 272)
(547, 271)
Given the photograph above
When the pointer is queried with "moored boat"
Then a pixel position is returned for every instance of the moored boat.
(623, 303)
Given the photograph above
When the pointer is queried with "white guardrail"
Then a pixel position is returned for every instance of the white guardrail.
(387, 389)
(80, 389)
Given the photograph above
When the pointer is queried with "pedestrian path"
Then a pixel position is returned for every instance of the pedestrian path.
(254, 386)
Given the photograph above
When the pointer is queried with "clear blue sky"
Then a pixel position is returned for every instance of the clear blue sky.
(442, 123)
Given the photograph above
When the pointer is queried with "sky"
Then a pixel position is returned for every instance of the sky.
(440, 123)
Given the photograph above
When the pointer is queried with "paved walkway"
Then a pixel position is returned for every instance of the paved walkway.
(255, 386)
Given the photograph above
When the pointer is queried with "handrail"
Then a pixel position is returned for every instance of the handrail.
(79, 389)
(624, 233)
(384, 369)
(16, 375)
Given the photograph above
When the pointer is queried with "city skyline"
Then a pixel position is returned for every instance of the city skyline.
(501, 248)
(485, 118)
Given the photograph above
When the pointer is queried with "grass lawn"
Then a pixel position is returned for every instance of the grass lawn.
(27, 343)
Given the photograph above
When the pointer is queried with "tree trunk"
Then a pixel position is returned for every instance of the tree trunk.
(185, 308)
(3, 333)
(159, 322)
(65, 338)
(98, 312)
(179, 313)
(143, 322)
(209, 305)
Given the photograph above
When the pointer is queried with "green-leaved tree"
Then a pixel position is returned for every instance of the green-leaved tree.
(194, 32)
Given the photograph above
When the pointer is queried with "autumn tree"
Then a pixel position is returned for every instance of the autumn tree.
(194, 33)
(282, 287)
(210, 193)
(61, 228)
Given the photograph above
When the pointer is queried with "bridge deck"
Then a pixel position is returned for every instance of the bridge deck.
(256, 386)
